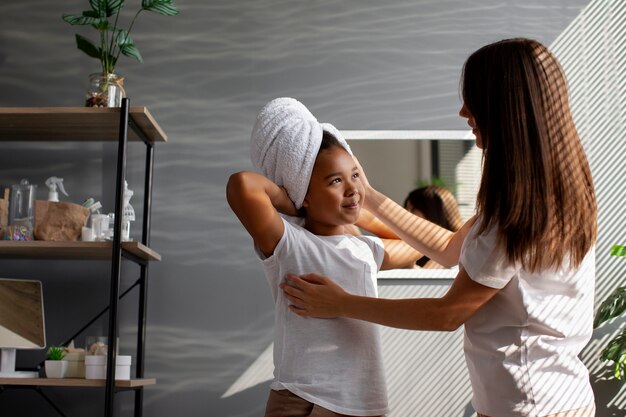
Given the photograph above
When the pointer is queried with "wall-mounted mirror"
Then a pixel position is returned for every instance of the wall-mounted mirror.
(398, 161)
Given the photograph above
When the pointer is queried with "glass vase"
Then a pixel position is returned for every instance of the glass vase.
(105, 90)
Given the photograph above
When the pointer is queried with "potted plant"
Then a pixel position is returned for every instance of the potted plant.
(55, 366)
(106, 86)
(614, 306)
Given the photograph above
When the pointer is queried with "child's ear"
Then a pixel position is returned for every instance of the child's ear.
(305, 203)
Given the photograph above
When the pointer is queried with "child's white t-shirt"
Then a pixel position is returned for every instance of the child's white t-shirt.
(335, 363)
(522, 347)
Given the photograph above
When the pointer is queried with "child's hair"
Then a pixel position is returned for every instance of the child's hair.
(438, 206)
(536, 186)
(328, 141)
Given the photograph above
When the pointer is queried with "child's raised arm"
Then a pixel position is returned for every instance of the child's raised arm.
(255, 200)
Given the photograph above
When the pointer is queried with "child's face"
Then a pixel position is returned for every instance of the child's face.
(335, 193)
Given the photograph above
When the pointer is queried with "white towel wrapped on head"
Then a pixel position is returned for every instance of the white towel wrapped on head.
(285, 141)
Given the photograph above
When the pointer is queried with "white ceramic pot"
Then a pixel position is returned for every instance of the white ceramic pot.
(56, 369)
(95, 367)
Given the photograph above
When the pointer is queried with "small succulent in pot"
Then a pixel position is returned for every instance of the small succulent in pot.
(56, 353)
(55, 365)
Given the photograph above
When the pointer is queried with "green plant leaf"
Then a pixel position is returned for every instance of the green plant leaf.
(113, 6)
(81, 20)
(127, 46)
(615, 351)
(56, 353)
(162, 7)
(106, 8)
(618, 250)
(99, 6)
(87, 47)
(132, 51)
(91, 13)
(620, 367)
(613, 306)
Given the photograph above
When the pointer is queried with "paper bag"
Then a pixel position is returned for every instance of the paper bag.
(59, 221)
(4, 213)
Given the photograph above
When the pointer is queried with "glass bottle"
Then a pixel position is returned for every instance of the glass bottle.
(105, 90)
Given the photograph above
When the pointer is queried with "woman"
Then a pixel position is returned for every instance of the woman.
(525, 285)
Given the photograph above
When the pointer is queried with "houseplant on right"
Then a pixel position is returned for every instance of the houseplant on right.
(614, 306)
(104, 17)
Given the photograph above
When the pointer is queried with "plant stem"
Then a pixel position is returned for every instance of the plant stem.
(103, 52)
(129, 29)
(113, 36)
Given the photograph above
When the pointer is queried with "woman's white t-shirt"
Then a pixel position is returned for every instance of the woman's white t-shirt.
(336, 363)
(522, 347)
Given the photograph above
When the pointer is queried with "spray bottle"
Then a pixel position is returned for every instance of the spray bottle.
(52, 183)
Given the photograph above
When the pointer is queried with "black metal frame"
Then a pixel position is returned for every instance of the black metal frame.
(116, 259)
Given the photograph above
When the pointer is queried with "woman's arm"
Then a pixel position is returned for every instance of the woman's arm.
(439, 244)
(367, 221)
(255, 200)
(317, 296)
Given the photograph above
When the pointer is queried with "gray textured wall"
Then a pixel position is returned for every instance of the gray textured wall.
(358, 64)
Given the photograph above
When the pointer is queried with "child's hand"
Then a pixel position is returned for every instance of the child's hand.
(362, 176)
(313, 295)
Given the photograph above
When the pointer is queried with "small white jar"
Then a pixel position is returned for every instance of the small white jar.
(96, 365)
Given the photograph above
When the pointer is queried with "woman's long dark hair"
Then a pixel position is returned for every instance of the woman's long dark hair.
(437, 204)
(536, 187)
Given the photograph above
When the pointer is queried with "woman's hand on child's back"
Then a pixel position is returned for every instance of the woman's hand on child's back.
(314, 295)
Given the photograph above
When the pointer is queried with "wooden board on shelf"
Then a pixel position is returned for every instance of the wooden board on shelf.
(75, 382)
(39, 249)
(22, 124)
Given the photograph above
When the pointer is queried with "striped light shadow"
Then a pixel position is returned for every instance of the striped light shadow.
(592, 51)
(425, 370)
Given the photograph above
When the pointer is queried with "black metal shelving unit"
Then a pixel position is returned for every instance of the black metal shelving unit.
(141, 127)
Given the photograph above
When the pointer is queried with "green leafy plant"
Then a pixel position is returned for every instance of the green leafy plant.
(614, 306)
(56, 353)
(438, 182)
(104, 17)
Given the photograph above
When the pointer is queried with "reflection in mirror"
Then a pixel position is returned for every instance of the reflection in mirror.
(396, 162)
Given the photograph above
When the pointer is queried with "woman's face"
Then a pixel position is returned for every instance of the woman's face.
(464, 112)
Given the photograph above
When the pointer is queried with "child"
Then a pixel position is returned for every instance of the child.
(322, 367)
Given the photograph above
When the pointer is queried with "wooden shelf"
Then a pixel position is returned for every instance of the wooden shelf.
(83, 124)
(75, 382)
(39, 249)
